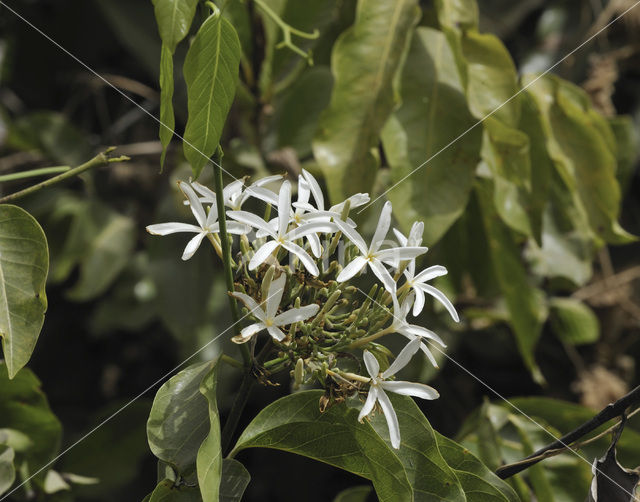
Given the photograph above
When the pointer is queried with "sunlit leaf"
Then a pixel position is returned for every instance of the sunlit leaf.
(364, 62)
(209, 458)
(433, 113)
(24, 263)
(573, 321)
(7, 469)
(211, 72)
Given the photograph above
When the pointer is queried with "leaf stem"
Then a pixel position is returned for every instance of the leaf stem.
(370, 338)
(99, 160)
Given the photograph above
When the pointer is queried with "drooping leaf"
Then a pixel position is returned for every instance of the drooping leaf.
(179, 419)
(174, 19)
(457, 13)
(433, 113)
(355, 494)
(24, 263)
(364, 62)
(573, 321)
(524, 302)
(167, 118)
(582, 146)
(54, 482)
(7, 469)
(167, 491)
(627, 144)
(295, 424)
(24, 408)
(209, 458)
(211, 72)
(235, 479)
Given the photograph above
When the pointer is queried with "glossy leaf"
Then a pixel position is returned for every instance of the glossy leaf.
(7, 469)
(166, 491)
(209, 459)
(581, 144)
(24, 408)
(364, 61)
(432, 114)
(573, 321)
(524, 302)
(211, 72)
(179, 419)
(235, 479)
(174, 19)
(24, 263)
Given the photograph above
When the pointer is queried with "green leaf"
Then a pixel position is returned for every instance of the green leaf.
(167, 118)
(209, 459)
(179, 419)
(235, 479)
(581, 144)
(457, 13)
(166, 491)
(573, 321)
(24, 407)
(627, 144)
(355, 494)
(432, 114)
(295, 424)
(211, 72)
(24, 263)
(54, 482)
(527, 313)
(364, 62)
(7, 470)
(174, 18)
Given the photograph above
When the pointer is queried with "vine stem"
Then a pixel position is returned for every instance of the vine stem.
(613, 410)
(99, 160)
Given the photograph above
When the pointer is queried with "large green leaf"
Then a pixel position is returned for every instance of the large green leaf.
(24, 263)
(179, 419)
(7, 469)
(211, 72)
(573, 321)
(174, 19)
(235, 479)
(582, 146)
(167, 117)
(24, 408)
(209, 459)
(524, 302)
(166, 491)
(364, 61)
(457, 13)
(627, 143)
(432, 114)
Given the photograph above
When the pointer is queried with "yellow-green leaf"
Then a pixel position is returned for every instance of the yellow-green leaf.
(209, 459)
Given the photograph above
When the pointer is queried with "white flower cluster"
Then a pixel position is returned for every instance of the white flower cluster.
(298, 232)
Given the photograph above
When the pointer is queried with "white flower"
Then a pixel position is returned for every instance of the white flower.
(379, 384)
(267, 318)
(412, 331)
(281, 236)
(415, 235)
(234, 196)
(208, 223)
(373, 255)
(417, 283)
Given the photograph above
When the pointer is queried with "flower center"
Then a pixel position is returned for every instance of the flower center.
(269, 322)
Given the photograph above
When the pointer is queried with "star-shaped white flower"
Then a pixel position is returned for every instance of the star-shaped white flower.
(267, 318)
(208, 223)
(372, 255)
(235, 194)
(412, 331)
(282, 237)
(418, 284)
(379, 385)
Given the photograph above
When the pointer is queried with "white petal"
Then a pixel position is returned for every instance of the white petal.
(284, 207)
(314, 244)
(355, 266)
(399, 254)
(368, 405)
(419, 302)
(251, 304)
(172, 228)
(410, 271)
(296, 315)
(237, 228)
(193, 245)
(352, 235)
(383, 274)
(416, 330)
(315, 189)
(262, 254)
(429, 355)
(267, 179)
(276, 333)
(232, 190)
(383, 227)
(262, 194)
(355, 200)
(310, 228)
(252, 220)
(392, 419)
(304, 257)
(403, 358)
(274, 296)
(411, 389)
(303, 191)
(370, 361)
(415, 234)
(212, 215)
(439, 295)
(251, 330)
(402, 240)
(194, 203)
(208, 195)
(430, 273)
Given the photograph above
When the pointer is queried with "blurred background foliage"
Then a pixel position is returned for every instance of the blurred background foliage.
(533, 212)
